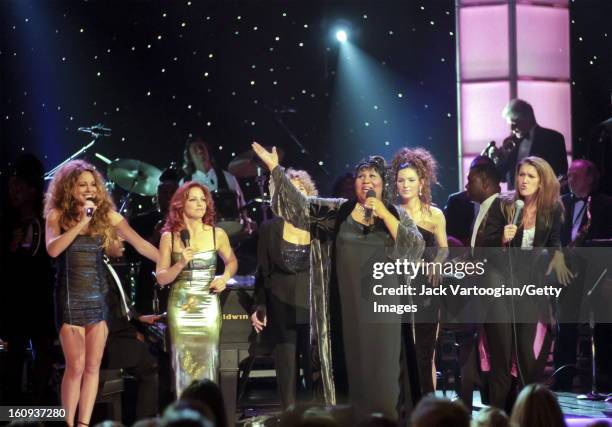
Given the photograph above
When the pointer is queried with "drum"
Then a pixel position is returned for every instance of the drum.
(226, 206)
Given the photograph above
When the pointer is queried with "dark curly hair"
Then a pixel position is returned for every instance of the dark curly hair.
(425, 166)
(379, 164)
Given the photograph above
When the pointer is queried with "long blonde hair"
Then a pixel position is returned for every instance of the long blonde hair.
(547, 197)
(60, 197)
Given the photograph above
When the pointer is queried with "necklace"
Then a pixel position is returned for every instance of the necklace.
(359, 207)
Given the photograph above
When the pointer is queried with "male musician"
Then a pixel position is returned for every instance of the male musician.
(529, 139)
(199, 165)
(127, 349)
(26, 291)
(582, 203)
(149, 225)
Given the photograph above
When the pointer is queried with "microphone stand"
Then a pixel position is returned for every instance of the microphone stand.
(260, 179)
(594, 394)
(95, 134)
(278, 117)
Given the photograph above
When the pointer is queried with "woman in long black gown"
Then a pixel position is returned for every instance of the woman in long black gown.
(365, 355)
(414, 171)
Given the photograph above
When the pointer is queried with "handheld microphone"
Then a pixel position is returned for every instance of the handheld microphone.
(89, 211)
(185, 237)
(518, 209)
(368, 211)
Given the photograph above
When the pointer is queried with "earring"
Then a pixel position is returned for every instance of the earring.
(420, 192)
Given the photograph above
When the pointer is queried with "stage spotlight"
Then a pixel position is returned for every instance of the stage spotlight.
(341, 36)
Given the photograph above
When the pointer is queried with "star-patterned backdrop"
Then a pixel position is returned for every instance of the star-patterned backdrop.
(158, 72)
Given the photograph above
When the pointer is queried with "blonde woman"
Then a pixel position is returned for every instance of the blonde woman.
(81, 224)
(525, 261)
(282, 293)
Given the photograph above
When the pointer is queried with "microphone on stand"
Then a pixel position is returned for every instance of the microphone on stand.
(487, 150)
(285, 110)
(98, 129)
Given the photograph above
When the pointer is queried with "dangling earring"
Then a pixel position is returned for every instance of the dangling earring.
(420, 192)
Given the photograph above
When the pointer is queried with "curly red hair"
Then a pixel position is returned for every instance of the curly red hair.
(174, 219)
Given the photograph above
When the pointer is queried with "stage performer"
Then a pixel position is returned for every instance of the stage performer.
(524, 262)
(282, 294)
(81, 223)
(352, 235)
(415, 172)
(188, 259)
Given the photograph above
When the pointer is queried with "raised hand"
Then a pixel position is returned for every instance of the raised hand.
(270, 158)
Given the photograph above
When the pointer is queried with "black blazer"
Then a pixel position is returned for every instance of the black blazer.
(545, 235)
(601, 226)
(459, 213)
(547, 144)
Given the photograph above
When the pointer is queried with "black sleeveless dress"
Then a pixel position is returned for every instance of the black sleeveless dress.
(81, 286)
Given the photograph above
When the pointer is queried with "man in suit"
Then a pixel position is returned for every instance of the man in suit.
(482, 189)
(460, 210)
(582, 202)
(529, 139)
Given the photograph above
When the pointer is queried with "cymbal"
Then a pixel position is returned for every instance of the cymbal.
(245, 164)
(135, 176)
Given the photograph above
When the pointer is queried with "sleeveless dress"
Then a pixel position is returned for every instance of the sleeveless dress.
(81, 286)
(194, 319)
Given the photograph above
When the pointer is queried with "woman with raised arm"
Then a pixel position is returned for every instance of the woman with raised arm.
(360, 359)
(188, 260)
(282, 295)
(415, 172)
(81, 224)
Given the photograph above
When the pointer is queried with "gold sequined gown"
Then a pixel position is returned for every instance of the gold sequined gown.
(194, 319)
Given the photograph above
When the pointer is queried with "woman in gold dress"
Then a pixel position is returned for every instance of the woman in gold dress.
(188, 254)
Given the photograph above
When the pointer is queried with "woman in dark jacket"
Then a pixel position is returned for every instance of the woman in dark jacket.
(531, 251)
(282, 293)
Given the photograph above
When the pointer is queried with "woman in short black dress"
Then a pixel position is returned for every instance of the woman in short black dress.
(81, 223)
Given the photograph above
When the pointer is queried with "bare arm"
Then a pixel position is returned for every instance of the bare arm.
(55, 240)
(165, 273)
(229, 259)
(125, 231)
(440, 233)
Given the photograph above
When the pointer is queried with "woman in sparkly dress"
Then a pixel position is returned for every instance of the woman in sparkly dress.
(282, 294)
(188, 259)
(81, 224)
